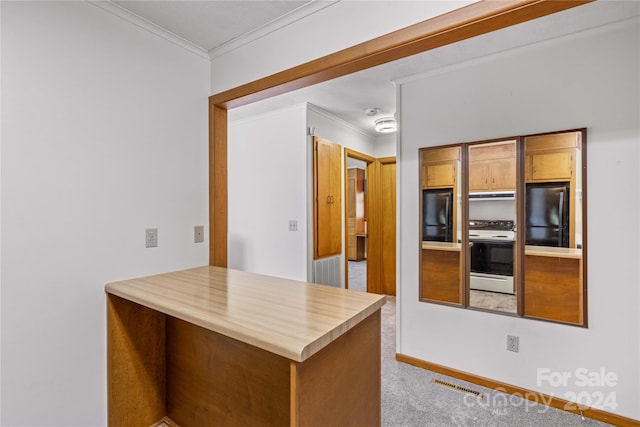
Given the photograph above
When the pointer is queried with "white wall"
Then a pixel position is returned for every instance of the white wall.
(586, 80)
(340, 25)
(0, 218)
(267, 161)
(104, 134)
(385, 145)
(270, 158)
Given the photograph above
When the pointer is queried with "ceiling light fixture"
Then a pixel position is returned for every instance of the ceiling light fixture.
(386, 125)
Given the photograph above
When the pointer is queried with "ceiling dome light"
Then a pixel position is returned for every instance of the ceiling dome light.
(386, 125)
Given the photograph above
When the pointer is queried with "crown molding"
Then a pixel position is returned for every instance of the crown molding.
(295, 15)
(329, 115)
(147, 25)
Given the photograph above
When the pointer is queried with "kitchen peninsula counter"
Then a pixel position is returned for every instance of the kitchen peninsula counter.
(213, 346)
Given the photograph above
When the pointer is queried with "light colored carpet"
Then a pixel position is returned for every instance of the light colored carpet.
(409, 399)
(358, 275)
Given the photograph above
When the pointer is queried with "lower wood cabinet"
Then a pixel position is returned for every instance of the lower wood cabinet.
(441, 276)
(261, 352)
(553, 288)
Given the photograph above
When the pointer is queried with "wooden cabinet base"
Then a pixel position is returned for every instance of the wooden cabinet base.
(160, 366)
(553, 289)
(441, 276)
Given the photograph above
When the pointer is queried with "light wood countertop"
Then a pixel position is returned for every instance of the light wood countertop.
(442, 246)
(290, 318)
(551, 251)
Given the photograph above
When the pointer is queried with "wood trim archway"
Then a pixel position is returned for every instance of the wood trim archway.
(460, 24)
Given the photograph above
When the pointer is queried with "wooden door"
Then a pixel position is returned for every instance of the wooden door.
(381, 255)
(327, 176)
(388, 225)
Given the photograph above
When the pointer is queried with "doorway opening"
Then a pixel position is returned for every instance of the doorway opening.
(356, 215)
(371, 223)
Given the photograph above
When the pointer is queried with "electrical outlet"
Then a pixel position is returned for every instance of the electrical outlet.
(293, 225)
(512, 343)
(198, 233)
(151, 238)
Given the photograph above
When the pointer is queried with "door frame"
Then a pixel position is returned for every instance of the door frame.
(384, 251)
(460, 24)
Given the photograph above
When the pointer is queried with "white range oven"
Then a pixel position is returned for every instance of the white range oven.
(492, 255)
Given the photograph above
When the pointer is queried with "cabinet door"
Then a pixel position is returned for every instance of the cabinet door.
(328, 200)
(492, 167)
(441, 280)
(503, 174)
(551, 166)
(440, 175)
(478, 176)
(553, 289)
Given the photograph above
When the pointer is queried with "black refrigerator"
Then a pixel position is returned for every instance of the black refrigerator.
(547, 214)
(437, 215)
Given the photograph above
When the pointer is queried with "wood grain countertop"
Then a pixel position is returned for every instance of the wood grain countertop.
(441, 246)
(290, 318)
(551, 251)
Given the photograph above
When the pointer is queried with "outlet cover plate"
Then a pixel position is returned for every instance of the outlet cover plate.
(198, 233)
(513, 342)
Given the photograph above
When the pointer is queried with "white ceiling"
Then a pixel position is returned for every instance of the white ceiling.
(214, 25)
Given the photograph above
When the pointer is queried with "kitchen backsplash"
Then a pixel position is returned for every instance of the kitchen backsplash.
(492, 209)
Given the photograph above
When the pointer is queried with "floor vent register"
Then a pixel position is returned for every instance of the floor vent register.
(456, 387)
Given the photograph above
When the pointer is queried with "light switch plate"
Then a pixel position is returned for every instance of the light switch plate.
(151, 238)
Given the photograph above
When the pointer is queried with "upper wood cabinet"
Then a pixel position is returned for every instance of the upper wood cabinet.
(551, 157)
(327, 206)
(492, 167)
(440, 168)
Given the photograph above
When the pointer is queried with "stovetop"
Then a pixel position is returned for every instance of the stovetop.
(491, 229)
(494, 225)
